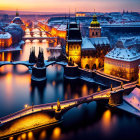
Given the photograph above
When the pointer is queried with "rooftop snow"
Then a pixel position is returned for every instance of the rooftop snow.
(86, 44)
(5, 35)
(123, 54)
(100, 41)
(62, 27)
(125, 49)
(128, 42)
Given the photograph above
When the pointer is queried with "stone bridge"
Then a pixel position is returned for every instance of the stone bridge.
(27, 64)
(68, 104)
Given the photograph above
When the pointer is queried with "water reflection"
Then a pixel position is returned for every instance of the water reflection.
(56, 133)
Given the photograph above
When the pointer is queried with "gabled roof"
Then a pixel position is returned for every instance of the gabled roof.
(87, 45)
(100, 41)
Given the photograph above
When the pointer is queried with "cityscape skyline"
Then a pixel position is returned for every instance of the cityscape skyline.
(78, 5)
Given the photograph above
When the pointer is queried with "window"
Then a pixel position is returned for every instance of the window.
(96, 33)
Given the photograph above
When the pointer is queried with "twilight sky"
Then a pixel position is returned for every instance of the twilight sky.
(64, 5)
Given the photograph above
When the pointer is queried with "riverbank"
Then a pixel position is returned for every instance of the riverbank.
(16, 47)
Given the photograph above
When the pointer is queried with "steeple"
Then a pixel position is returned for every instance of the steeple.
(17, 13)
(95, 22)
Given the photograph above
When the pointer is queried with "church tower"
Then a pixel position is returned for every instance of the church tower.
(73, 44)
(94, 28)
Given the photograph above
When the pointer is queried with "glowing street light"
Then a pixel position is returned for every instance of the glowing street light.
(25, 106)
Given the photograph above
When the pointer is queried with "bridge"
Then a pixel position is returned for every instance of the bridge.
(28, 64)
(38, 34)
(68, 104)
(40, 38)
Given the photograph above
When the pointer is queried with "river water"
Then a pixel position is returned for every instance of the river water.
(87, 121)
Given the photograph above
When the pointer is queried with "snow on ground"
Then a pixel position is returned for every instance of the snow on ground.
(133, 98)
(128, 108)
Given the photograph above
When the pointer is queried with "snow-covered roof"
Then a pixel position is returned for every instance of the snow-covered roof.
(5, 35)
(62, 27)
(123, 54)
(127, 42)
(86, 44)
(100, 41)
(125, 50)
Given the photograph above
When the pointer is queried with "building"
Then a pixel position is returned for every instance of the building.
(80, 14)
(88, 52)
(59, 30)
(73, 43)
(19, 21)
(93, 52)
(5, 39)
(94, 28)
(124, 59)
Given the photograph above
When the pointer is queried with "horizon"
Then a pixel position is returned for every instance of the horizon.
(56, 6)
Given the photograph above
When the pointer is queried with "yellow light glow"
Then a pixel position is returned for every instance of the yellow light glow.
(56, 133)
(30, 136)
(23, 136)
(43, 134)
(11, 138)
(26, 105)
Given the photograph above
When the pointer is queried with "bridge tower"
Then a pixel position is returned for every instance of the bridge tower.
(39, 69)
(32, 57)
(116, 98)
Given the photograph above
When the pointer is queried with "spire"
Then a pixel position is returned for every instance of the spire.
(17, 13)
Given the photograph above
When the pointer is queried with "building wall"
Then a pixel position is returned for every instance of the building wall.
(52, 30)
(74, 52)
(94, 32)
(6, 42)
(91, 62)
(123, 69)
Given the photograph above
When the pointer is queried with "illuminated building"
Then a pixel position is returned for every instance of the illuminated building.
(73, 43)
(124, 59)
(93, 52)
(94, 28)
(18, 21)
(59, 31)
(89, 51)
(5, 39)
(80, 14)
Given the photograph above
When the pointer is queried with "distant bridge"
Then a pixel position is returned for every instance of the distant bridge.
(66, 105)
(28, 64)
(40, 38)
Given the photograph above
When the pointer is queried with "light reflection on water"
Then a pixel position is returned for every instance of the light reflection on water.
(16, 90)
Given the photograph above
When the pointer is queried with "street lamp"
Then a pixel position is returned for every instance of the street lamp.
(25, 106)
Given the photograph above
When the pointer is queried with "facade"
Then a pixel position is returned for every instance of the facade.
(94, 28)
(59, 31)
(80, 14)
(18, 21)
(124, 59)
(89, 52)
(5, 39)
(73, 43)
